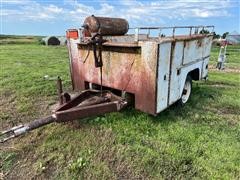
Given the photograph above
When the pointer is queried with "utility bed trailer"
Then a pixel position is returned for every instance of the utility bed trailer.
(112, 69)
(153, 69)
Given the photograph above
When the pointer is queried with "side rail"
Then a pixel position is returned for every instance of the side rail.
(189, 30)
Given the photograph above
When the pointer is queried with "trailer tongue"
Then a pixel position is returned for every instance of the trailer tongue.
(88, 103)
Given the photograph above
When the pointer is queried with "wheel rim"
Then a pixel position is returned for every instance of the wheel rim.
(186, 91)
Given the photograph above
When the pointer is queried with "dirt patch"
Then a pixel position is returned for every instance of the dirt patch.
(229, 114)
(10, 115)
(220, 85)
(8, 111)
(24, 166)
(23, 147)
(227, 69)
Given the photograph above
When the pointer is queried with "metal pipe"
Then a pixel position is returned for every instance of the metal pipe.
(22, 129)
(60, 90)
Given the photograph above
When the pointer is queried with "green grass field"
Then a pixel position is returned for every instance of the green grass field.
(200, 140)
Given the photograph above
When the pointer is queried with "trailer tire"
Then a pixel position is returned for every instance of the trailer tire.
(187, 89)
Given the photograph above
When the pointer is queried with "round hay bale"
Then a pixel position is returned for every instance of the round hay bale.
(52, 40)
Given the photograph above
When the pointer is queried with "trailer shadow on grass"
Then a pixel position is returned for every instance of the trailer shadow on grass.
(201, 97)
(204, 96)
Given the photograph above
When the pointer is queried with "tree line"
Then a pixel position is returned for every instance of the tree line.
(215, 36)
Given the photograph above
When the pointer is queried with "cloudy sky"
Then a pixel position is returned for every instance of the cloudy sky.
(53, 17)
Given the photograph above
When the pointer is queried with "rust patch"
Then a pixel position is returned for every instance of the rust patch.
(199, 42)
(130, 69)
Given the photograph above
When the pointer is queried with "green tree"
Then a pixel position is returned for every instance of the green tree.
(204, 31)
(224, 35)
(216, 36)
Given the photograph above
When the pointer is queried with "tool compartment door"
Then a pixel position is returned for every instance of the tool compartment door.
(163, 76)
(175, 79)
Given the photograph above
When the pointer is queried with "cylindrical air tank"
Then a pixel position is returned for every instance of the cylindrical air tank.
(105, 25)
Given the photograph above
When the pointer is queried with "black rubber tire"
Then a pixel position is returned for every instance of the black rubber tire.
(183, 100)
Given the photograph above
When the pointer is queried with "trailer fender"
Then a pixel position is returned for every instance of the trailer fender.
(194, 74)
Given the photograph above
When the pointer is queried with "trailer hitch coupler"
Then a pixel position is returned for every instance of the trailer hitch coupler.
(22, 129)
